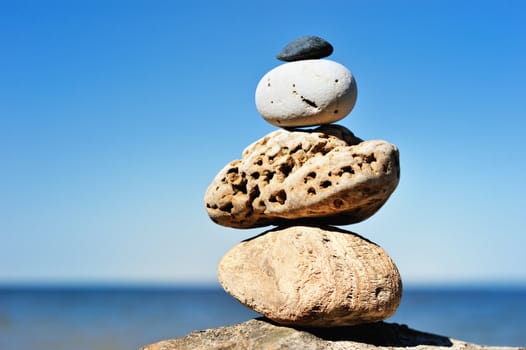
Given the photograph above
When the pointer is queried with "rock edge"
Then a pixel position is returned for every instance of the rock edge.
(261, 333)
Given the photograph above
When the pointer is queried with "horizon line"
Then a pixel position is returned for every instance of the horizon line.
(208, 285)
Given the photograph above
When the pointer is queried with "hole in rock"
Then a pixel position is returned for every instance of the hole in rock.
(370, 158)
(347, 169)
(295, 149)
(268, 176)
(320, 147)
(254, 193)
(310, 176)
(338, 203)
(326, 184)
(240, 187)
(227, 207)
(286, 168)
(309, 102)
(278, 197)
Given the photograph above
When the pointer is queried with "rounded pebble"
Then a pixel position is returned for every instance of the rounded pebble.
(306, 93)
(304, 48)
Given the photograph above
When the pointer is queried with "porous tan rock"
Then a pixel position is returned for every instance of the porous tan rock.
(325, 175)
(312, 276)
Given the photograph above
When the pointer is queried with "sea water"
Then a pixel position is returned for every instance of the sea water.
(125, 318)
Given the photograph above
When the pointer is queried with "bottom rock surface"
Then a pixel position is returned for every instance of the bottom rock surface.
(264, 334)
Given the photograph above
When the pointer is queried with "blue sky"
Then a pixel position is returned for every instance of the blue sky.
(116, 115)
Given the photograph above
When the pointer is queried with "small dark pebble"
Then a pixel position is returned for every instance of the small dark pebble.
(305, 48)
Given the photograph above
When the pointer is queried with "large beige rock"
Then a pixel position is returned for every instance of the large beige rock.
(312, 276)
(260, 334)
(326, 174)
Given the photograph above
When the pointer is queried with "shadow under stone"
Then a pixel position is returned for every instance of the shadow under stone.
(378, 334)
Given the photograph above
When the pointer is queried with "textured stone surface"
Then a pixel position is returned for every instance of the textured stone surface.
(306, 93)
(312, 276)
(306, 47)
(326, 174)
(261, 334)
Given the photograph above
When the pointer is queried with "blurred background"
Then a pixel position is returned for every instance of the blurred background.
(116, 115)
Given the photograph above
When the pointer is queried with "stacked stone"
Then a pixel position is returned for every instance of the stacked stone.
(305, 271)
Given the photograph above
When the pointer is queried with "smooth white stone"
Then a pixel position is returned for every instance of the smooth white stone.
(306, 93)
